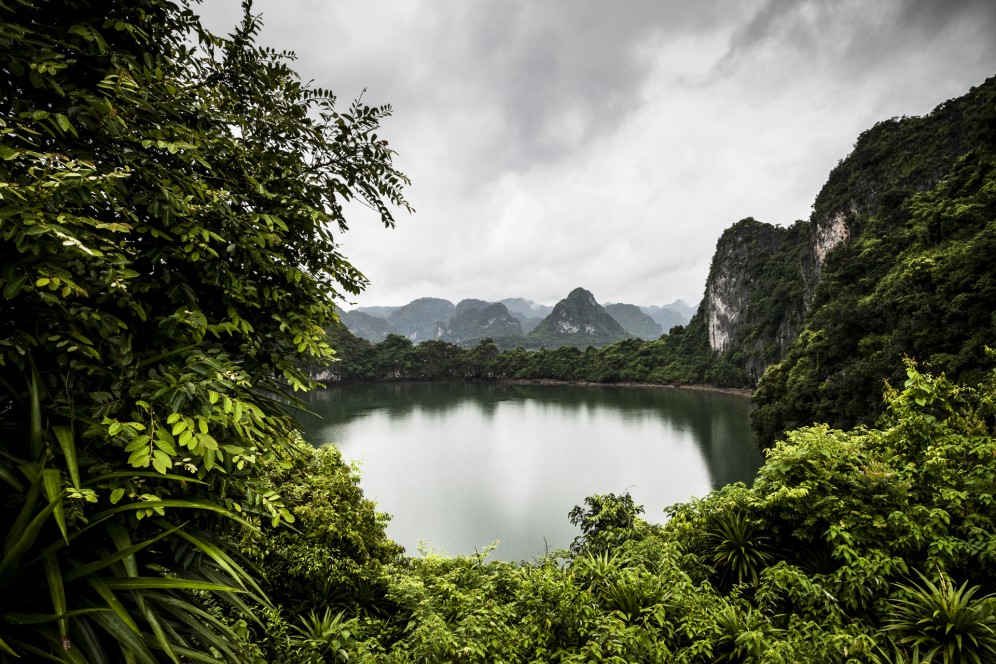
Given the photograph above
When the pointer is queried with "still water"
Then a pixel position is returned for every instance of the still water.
(460, 465)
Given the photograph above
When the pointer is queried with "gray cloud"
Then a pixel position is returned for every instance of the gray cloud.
(578, 142)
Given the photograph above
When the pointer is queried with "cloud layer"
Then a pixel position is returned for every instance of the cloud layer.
(607, 145)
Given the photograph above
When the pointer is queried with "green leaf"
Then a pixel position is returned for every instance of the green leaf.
(13, 287)
(120, 632)
(64, 434)
(113, 603)
(162, 583)
(84, 571)
(19, 541)
(52, 487)
(58, 594)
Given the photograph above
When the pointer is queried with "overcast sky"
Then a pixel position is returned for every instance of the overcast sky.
(561, 143)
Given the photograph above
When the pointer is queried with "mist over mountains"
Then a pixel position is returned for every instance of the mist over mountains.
(577, 320)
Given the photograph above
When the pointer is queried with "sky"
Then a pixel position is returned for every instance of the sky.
(553, 144)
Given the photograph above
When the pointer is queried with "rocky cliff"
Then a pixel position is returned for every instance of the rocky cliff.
(753, 300)
(765, 281)
(820, 313)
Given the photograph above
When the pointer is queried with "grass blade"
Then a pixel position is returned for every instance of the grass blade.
(126, 638)
(7, 649)
(164, 583)
(223, 560)
(107, 561)
(64, 434)
(113, 603)
(52, 486)
(15, 550)
(58, 593)
(35, 426)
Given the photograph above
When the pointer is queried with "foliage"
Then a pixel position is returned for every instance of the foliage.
(170, 204)
(736, 547)
(944, 622)
(915, 279)
(606, 522)
(336, 544)
(808, 565)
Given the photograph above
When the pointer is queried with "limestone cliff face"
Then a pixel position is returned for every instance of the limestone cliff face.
(753, 302)
(766, 281)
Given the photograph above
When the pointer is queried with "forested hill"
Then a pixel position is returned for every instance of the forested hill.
(913, 210)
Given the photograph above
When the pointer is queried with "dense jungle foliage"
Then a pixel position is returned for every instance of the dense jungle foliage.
(870, 545)
(170, 205)
(917, 278)
(169, 265)
(681, 358)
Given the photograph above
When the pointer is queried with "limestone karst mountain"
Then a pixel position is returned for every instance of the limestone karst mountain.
(578, 320)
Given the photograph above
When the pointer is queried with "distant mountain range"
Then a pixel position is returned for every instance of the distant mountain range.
(577, 320)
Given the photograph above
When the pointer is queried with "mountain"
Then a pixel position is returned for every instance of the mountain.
(529, 313)
(475, 323)
(379, 312)
(898, 261)
(365, 326)
(469, 305)
(676, 313)
(519, 306)
(634, 321)
(418, 319)
(577, 320)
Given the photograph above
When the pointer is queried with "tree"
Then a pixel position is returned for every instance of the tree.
(169, 203)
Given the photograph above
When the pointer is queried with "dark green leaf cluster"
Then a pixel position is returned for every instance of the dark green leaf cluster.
(169, 207)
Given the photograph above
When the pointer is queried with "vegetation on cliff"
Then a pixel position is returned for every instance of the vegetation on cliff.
(915, 279)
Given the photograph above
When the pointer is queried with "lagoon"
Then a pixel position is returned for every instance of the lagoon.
(461, 465)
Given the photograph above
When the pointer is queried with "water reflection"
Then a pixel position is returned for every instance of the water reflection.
(462, 464)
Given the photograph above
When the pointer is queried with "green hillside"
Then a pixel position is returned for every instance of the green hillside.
(634, 320)
(917, 278)
(577, 320)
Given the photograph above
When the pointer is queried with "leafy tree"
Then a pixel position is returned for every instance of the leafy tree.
(170, 204)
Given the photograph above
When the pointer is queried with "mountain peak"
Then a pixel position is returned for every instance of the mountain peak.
(578, 319)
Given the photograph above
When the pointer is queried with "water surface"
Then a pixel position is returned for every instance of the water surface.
(460, 465)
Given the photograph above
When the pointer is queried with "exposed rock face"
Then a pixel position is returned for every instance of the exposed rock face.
(828, 232)
(829, 236)
(578, 320)
(741, 254)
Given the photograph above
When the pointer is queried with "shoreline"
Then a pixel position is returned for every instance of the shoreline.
(736, 391)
